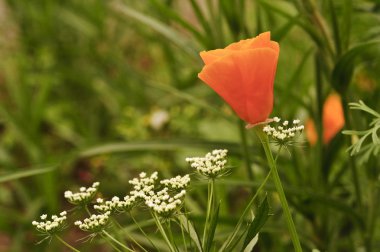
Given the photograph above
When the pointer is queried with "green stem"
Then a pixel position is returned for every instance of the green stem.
(87, 210)
(130, 237)
(111, 243)
(244, 142)
(116, 241)
(163, 233)
(66, 244)
(171, 237)
(277, 182)
(142, 231)
(210, 200)
(243, 215)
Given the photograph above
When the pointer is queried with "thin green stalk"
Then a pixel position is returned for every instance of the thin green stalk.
(171, 237)
(210, 199)
(87, 210)
(163, 233)
(130, 237)
(244, 142)
(277, 182)
(352, 163)
(111, 243)
(246, 210)
(66, 244)
(116, 241)
(183, 237)
(142, 231)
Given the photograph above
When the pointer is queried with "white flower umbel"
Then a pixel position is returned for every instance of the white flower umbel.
(84, 196)
(143, 186)
(284, 132)
(52, 226)
(115, 204)
(212, 165)
(177, 182)
(94, 224)
(164, 203)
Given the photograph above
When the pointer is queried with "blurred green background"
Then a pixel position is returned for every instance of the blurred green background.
(102, 90)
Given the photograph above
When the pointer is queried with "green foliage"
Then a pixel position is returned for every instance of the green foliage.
(80, 82)
(373, 147)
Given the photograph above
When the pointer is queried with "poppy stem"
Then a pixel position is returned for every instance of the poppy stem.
(243, 136)
(277, 182)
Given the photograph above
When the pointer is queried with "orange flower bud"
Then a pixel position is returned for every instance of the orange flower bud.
(243, 75)
(333, 120)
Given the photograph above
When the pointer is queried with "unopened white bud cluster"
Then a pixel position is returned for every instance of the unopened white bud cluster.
(84, 196)
(212, 165)
(177, 182)
(56, 224)
(165, 204)
(115, 204)
(283, 131)
(144, 185)
(95, 223)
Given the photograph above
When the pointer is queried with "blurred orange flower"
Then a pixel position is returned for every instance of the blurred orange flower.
(243, 75)
(333, 120)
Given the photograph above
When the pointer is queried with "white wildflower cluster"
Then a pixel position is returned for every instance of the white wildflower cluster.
(165, 204)
(94, 224)
(177, 182)
(144, 185)
(284, 131)
(115, 204)
(84, 196)
(212, 165)
(56, 224)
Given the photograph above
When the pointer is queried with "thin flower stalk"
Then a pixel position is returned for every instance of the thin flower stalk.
(277, 182)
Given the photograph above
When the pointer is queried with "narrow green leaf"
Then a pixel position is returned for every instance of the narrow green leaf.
(188, 226)
(174, 16)
(212, 228)
(335, 26)
(258, 222)
(171, 145)
(251, 244)
(307, 28)
(158, 26)
(344, 68)
(27, 173)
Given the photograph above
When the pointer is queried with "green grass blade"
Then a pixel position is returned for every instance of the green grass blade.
(344, 68)
(24, 174)
(258, 222)
(188, 226)
(156, 25)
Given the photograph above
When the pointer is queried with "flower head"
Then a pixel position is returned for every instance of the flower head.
(115, 204)
(284, 132)
(177, 182)
(243, 75)
(212, 165)
(164, 202)
(84, 196)
(94, 224)
(333, 120)
(52, 226)
(143, 185)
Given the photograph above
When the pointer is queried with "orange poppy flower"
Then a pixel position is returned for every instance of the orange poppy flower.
(333, 120)
(243, 75)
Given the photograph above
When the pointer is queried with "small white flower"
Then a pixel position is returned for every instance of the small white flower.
(283, 133)
(95, 223)
(49, 227)
(212, 165)
(177, 182)
(84, 196)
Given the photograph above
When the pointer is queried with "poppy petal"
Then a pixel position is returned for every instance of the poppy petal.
(244, 79)
(261, 41)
